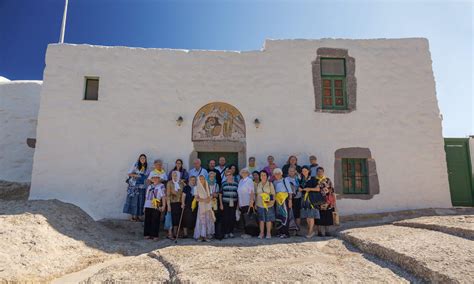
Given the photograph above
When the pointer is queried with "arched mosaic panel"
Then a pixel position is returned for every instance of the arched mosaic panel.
(218, 122)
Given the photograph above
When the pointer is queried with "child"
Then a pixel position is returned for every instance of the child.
(155, 202)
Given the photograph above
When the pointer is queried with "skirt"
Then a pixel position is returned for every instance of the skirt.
(326, 218)
(152, 222)
(307, 211)
(176, 213)
(297, 208)
(204, 224)
(265, 215)
(188, 217)
(135, 200)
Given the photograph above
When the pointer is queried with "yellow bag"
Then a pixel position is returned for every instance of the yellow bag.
(281, 197)
(155, 202)
(265, 199)
(194, 204)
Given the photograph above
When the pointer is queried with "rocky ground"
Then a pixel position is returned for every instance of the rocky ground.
(55, 241)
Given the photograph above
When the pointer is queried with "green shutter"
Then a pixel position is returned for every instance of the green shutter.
(355, 176)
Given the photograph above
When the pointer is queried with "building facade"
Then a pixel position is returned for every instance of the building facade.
(366, 108)
(19, 105)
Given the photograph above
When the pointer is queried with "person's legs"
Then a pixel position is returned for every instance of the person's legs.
(310, 222)
(155, 223)
(269, 229)
(147, 224)
(262, 229)
(232, 221)
(226, 219)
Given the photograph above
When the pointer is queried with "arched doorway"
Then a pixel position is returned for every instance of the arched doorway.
(218, 129)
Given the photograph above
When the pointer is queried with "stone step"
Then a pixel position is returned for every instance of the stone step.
(430, 255)
(461, 225)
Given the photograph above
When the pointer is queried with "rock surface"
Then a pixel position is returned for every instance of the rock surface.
(461, 225)
(431, 255)
(14, 190)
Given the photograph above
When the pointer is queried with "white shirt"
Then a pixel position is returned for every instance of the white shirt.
(245, 189)
(153, 191)
(196, 173)
(222, 171)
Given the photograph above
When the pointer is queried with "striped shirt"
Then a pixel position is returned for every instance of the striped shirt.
(229, 191)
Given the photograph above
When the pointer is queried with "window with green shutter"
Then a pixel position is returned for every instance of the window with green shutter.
(355, 176)
(333, 77)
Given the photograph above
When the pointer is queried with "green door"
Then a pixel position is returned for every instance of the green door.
(459, 171)
(230, 157)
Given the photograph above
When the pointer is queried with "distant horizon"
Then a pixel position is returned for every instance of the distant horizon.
(28, 26)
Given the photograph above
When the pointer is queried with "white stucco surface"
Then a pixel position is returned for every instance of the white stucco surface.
(19, 104)
(84, 148)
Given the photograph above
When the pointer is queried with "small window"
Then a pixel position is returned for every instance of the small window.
(355, 176)
(92, 89)
(333, 77)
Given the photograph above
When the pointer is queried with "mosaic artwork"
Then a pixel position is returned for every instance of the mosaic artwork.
(218, 121)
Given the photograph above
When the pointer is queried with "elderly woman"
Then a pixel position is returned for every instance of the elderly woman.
(309, 205)
(158, 164)
(327, 208)
(174, 196)
(188, 221)
(205, 216)
(291, 162)
(265, 200)
(228, 198)
(136, 189)
(284, 202)
(182, 171)
(246, 193)
(155, 203)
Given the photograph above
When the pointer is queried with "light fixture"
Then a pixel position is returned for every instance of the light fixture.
(257, 123)
(179, 121)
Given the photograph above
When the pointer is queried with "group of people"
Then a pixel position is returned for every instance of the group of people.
(211, 201)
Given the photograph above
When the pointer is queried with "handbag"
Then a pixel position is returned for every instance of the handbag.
(168, 221)
(250, 223)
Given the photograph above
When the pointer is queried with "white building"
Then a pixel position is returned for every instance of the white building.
(362, 103)
(19, 104)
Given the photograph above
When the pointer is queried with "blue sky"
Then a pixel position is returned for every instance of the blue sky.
(27, 26)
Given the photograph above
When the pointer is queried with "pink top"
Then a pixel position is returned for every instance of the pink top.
(331, 200)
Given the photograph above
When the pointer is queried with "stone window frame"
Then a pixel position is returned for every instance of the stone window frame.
(351, 81)
(355, 153)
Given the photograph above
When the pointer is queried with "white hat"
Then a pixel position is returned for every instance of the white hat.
(153, 174)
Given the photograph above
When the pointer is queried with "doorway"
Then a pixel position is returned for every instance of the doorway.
(231, 158)
(459, 171)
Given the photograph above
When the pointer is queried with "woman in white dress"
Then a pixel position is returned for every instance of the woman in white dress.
(205, 216)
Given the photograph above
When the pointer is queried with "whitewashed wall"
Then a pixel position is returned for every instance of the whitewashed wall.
(85, 147)
(19, 104)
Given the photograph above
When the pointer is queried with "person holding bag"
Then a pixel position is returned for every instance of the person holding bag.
(174, 192)
(329, 205)
(228, 198)
(265, 201)
(155, 203)
(310, 200)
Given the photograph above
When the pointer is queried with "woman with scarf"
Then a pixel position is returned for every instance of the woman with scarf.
(291, 182)
(327, 208)
(265, 201)
(311, 198)
(174, 196)
(205, 216)
(182, 171)
(136, 189)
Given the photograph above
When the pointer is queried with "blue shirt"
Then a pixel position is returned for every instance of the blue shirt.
(229, 191)
(196, 173)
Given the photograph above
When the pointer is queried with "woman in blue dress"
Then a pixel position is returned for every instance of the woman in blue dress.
(136, 189)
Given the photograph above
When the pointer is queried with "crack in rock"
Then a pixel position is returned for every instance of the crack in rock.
(172, 271)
